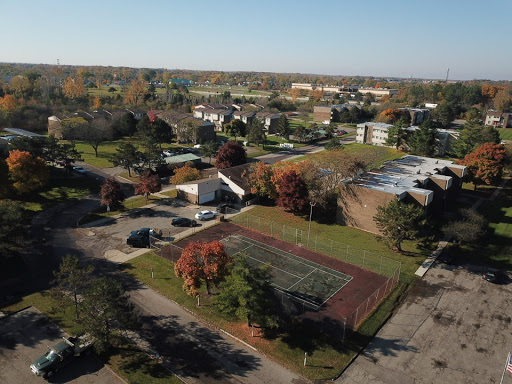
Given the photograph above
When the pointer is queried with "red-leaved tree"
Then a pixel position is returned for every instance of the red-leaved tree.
(485, 164)
(202, 263)
(148, 184)
(230, 155)
(293, 192)
(111, 193)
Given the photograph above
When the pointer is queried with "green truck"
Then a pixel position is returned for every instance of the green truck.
(60, 355)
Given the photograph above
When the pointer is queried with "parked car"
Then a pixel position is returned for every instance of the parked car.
(80, 170)
(341, 132)
(496, 276)
(197, 146)
(222, 207)
(60, 355)
(139, 238)
(169, 153)
(205, 215)
(183, 222)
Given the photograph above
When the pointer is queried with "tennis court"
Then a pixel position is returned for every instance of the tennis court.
(293, 275)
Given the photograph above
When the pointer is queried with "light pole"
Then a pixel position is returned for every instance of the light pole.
(310, 215)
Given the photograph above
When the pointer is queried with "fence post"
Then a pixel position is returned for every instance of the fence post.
(344, 327)
(367, 302)
(316, 241)
(283, 232)
(357, 313)
(271, 232)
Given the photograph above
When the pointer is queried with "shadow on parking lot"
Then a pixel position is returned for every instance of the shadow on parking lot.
(82, 366)
(195, 353)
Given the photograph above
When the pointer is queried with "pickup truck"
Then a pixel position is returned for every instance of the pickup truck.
(60, 355)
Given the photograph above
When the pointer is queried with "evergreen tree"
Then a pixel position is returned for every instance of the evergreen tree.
(283, 126)
(399, 221)
(423, 141)
(105, 310)
(256, 132)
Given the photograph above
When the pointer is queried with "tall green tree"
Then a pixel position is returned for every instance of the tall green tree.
(399, 221)
(128, 156)
(444, 113)
(247, 294)
(283, 126)
(127, 125)
(256, 132)
(106, 310)
(397, 136)
(423, 141)
(72, 279)
(210, 149)
(235, 128)
(300, 133)
(12, 227)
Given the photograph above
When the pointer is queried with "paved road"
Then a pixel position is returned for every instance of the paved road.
(198, 353)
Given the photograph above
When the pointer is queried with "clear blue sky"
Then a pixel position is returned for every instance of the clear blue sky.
(336, 37)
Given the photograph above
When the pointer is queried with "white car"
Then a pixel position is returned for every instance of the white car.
(169, 153)
(80, 170)
(205, 215)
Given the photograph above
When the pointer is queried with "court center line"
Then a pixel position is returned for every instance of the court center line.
(301, 279)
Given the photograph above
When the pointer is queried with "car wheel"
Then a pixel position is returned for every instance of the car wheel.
(50, 373)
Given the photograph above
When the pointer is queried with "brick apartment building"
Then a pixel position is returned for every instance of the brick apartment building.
(427, 182)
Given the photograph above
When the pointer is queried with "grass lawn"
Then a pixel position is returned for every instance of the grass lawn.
(125, 358)
(132, 203)
(326, 357)
(505, 133)
(172, 193)
(61, 188)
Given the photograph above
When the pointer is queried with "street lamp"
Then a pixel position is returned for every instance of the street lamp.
(310, 214)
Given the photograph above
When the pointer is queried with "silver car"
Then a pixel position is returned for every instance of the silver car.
(205, 215)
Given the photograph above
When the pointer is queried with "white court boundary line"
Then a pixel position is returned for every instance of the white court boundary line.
(294, 258)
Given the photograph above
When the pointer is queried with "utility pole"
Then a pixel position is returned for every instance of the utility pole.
(447, 73)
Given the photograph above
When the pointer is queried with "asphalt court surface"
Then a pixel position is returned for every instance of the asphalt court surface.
(291, 274)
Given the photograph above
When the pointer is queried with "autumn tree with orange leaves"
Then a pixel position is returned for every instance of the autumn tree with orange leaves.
(27, 173)
(8, 103)
(202, 263)
(73, 88)
(259, 177)
(485, 164)
(135, 92)
(185, 174)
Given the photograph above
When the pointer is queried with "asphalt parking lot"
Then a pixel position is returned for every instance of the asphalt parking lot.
(112, 234)
(25, 336)
(453, 327)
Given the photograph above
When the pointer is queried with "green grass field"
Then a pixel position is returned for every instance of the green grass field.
(505, 133)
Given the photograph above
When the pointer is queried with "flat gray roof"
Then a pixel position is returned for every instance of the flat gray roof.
(22, 132)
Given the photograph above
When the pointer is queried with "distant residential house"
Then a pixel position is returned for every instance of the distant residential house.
(227, 184)
(181, 82)
(137, 113)
(348, 90)
(375, 133)
(251, 106)
(418, 115)
(219, 117)
(329, 113)
(427, 182)
(270, 120)
(246, 117)
(499, 119)
(187, 128)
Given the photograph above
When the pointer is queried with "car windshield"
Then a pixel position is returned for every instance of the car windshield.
(52, 356)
